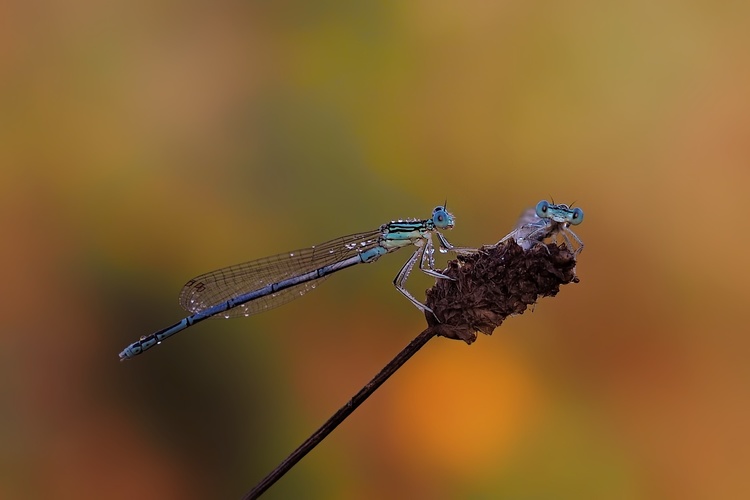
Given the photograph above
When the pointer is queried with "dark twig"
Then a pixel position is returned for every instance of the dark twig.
(487, 287)
(341, 415)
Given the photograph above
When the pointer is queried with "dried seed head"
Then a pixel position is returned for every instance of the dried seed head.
(494, 283)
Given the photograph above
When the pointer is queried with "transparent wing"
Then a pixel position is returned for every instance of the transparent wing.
(527, 218)
(221, 285)
(530, 229)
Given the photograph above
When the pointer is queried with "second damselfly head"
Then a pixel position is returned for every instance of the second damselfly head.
(562, 213)
(547, 220)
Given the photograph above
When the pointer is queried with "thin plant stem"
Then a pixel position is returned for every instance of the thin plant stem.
(343, 412)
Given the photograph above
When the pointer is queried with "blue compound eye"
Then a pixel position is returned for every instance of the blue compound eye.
(577, 216)
(441, 218)
(542, 208)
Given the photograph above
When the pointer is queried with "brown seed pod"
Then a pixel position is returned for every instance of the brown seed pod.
(494, 283)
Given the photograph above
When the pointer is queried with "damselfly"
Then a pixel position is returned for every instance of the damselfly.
(545, 221)
(259, 285)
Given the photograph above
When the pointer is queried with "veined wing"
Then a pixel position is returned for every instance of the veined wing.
(527, 218)
(221, 285)
(530, 229)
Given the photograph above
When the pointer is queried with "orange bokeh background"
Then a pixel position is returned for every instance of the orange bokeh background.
(144, 143)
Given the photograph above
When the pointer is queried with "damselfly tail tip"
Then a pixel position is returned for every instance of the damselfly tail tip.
(124, 355)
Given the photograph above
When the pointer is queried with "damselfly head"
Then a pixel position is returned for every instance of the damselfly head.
(441, 218)
(561, 213)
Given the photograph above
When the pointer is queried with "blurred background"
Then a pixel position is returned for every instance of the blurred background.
(143, 143)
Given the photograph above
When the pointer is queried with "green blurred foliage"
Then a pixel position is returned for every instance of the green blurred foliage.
(143, 143)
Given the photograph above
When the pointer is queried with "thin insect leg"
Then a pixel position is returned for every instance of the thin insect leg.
(428, 255)
(578, 240)
(566, 240)
(447, 246)
(403, 275)
(539, 234)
